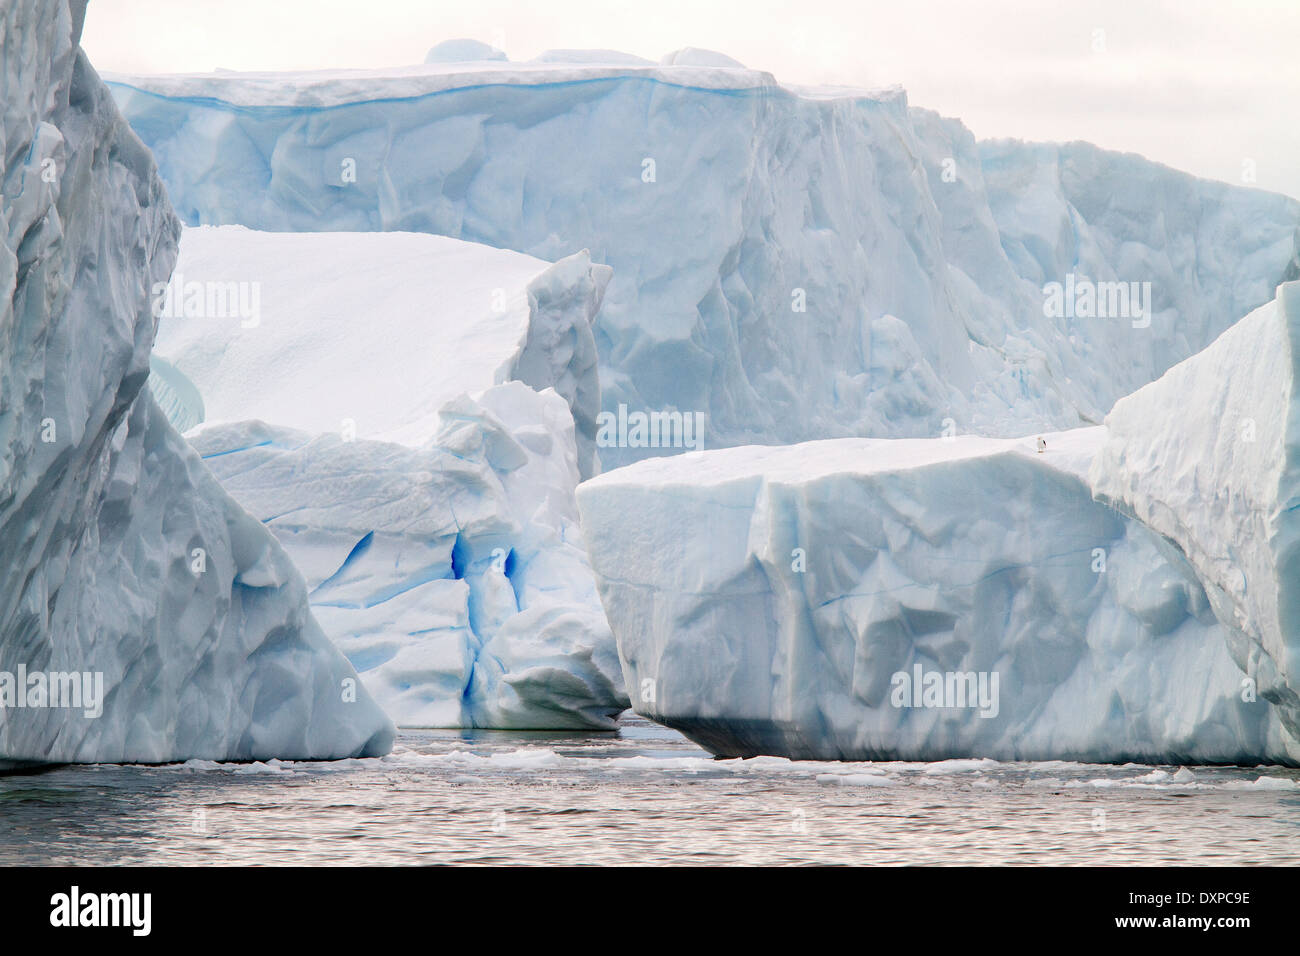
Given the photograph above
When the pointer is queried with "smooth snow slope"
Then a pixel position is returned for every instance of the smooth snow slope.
(120, 556)
(453, 575)
(790, 263)
(1209, 456)
(765, 598)
(372, 333)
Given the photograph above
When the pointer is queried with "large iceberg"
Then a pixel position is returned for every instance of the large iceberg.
(1209, 456)
(790, 263)
(144, 616)
(409, 415)
(913, 599)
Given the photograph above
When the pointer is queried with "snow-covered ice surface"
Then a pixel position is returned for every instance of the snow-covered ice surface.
(792, 263)
(120, 554)
(372, 333)
(453, 574)
(1209, 456)
(797, 600)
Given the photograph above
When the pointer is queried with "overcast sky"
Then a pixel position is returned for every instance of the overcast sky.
(1209, 86)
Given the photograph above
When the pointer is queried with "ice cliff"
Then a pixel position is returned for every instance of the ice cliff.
(1209, 456)
(123, 561)
(913, 599)
(790, 263)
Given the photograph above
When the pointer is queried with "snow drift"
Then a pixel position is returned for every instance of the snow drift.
(371, 333)
(790, 263)
(121, 557)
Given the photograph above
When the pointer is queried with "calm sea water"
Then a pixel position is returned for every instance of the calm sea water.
(643, 795)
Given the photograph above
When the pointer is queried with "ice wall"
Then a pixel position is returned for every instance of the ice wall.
(121, 559)
(452, 574)
(1209, 456)
(804, 601)
(790, 263)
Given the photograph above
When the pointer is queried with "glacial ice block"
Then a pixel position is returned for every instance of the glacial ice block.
(791, 263)
(1209, 456)
(371, 333)
(912, 599)
(453, 574)
(122, 562)
(350, 387)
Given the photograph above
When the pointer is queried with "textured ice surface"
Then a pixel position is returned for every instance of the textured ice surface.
(453, 574)
(727, 203)
(766, 598)
(119, 553)
(437, 532)
(1209, 456)
(372, 333)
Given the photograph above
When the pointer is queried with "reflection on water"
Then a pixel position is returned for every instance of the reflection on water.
(643, 795)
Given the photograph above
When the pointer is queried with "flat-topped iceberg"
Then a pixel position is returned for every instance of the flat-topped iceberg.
(144, 616)
(789, 263)
(1209, 456)
(913, 599)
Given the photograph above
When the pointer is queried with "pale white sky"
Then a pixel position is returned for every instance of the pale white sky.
(1202, 85)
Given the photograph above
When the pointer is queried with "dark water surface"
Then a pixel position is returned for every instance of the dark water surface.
(643, 795)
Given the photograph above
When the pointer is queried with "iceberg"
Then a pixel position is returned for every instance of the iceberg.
(790, 263)
(453, 575)
(463, 51)
(1209, 457)
(914, 599)
(144, 616)
(409, 415)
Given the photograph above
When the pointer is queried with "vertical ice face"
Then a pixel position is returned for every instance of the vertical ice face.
(789, 263)
(1209, 456)
(1211, 252)
(913, 599)
(125, 571)
(452, 573)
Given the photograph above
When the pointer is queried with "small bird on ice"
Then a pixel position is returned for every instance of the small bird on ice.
(1042, 444)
